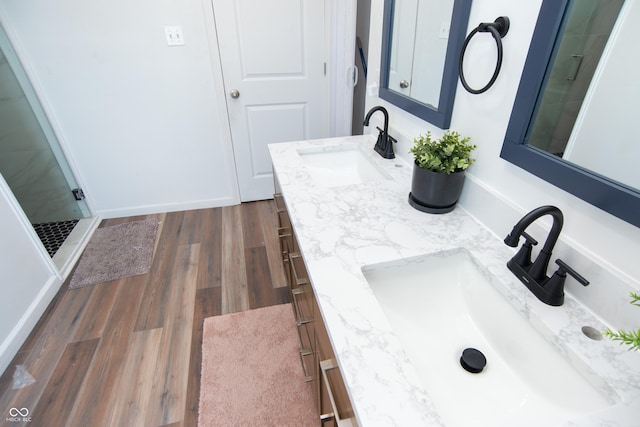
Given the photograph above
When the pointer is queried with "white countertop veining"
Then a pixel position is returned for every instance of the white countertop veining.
(340, 229)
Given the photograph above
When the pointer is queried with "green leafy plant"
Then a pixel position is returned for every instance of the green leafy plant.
(449, 154)
(631, 338)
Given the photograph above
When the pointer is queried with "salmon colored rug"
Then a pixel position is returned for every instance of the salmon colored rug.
(251, 373)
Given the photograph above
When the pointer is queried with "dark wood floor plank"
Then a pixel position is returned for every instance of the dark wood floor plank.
(62, 389)
(97, 313)
(6, 380)
(192, 229)
(235, 292)
(158, 287)
(48, 348)
(99, 387)
(208, 303)
(136, 382)
(283, 296)
(210, 267)
(252, 226)
(43, 323)
(168, 394)
(261, 292)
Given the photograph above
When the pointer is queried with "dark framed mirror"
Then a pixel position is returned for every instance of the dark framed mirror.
(612, 95)
(421, 43)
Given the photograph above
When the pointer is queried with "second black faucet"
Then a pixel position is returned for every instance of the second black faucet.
(549, 290)
(384, 145)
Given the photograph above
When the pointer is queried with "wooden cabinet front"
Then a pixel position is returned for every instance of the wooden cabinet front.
(316, 353)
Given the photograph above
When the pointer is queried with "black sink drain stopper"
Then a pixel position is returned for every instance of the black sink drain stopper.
(473, 360)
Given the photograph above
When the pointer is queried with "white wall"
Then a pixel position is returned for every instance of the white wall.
(499, 193)
(28, 279)
(143, 123)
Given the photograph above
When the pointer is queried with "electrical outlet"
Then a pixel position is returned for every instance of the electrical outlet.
(174, 36)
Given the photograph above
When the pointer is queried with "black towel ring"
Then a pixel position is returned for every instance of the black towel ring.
(498, 29)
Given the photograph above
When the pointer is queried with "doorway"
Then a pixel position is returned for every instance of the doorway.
(32, 162)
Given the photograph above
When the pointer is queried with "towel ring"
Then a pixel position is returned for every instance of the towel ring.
(498, 29)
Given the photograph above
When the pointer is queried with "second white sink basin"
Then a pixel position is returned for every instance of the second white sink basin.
(438, 305)
(347, 166)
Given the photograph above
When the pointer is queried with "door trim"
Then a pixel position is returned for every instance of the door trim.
(342, 18)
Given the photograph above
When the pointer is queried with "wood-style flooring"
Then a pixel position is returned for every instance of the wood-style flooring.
(128, 352)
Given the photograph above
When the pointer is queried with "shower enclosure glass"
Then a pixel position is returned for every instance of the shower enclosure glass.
(31, 160)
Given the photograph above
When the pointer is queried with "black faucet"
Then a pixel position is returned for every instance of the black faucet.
(384, 145)
(534, 274)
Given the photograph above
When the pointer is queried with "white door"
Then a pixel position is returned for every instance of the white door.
(403, 43)
(274, 56)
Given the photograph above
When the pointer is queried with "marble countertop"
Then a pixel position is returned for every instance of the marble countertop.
(340, 229)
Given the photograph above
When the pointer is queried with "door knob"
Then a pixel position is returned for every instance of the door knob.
(404, 84)
(234, 93)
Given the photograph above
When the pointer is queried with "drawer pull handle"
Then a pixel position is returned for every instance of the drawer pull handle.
(325, 366)
(301, 319)
(298, 280)
(307, 377)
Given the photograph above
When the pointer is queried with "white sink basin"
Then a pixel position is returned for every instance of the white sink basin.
(438, 305)
(345, 166)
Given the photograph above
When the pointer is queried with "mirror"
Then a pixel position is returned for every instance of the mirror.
(420, 48)
(599, 126)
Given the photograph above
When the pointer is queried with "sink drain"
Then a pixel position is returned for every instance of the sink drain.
(473, 360)
(592, 333)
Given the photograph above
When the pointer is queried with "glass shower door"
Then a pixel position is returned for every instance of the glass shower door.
(31, 160)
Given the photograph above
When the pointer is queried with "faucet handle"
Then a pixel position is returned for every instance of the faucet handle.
(523, 257)
(528, 239)
(554, 286)
(563, 269)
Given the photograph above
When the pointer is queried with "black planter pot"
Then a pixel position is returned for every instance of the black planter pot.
(435, 192)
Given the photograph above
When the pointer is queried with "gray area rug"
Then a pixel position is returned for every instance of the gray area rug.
(115, 252)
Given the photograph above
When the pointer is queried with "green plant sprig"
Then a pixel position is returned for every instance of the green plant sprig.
(449, 154)
(630, 338)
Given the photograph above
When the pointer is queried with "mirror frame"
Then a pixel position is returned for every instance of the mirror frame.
(441, 116)
(611, 196)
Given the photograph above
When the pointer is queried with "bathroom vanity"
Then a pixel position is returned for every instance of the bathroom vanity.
(362, 245)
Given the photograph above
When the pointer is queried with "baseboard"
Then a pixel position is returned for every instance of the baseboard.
(18, 335)
(169, 207)
(70, 251)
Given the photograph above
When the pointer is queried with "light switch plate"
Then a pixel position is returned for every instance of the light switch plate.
(174, 36)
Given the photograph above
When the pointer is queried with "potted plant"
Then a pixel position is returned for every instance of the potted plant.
(438, 171)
